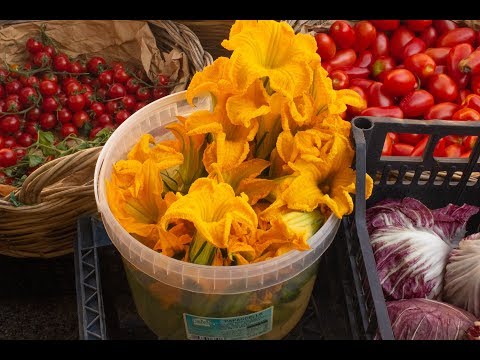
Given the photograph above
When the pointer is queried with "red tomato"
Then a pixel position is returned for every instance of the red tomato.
(76, 102)
(10, 142)
(414, 46)
(362, 83)
(80, 118)
(421, 65)
(385, 111)
(466, 154)
(42, 59)
(381, 45)
(48, 87)
(420, 147)
(417, 25)
(455, 56)
(340, 80)
(441, 111)
(345, 57)
(75, 67)
(61, 62)
(95, 131)
(31, 128)
(121, 116)
(429, 36)
(7, 158)
(97, 109)
(443, 88)
(104, 119)
(342, 33)
(129, 101)
(456, 36)
(13, 87)
(382, 66)
(143, 94)
(68, 129)
(25, 139)
(27, 96)
(106, 78)
(116, 91)
(12, 104)
(439, 150)
(9, 124)
(64, 115)
(365, 34)
(34, 46)
(440, 69)
(72, 88)
(401, 37)
(354, 72)
(132, 84)
(378, 96)
(443, 26)
(412, 139)
(472, 101)
(48, 121)
(462, 95)
(120, 76)
(387, 146)
(112, 107)
(416, 103)
(438, 54)
(89, 97)
(400, 149)
(453, 151)
(96, 64)
(469, 142)
(386, 25)
(475, 84)
(465, 114)
(364, 59)
(399, 82)
(326, 48)
(471, 64)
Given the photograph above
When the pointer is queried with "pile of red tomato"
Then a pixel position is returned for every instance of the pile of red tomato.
(415, 69)
(67, 96)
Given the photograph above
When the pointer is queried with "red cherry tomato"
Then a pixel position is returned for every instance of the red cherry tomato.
(345, 57)
(120, 76)
(104, 119)
(365, 34)
(472, 101)
(354, 72)
(439, 150)
(27, 96)
(61, 62)
(364, 59)
(68, 129)
(381, 45)
(34, 46)
(25, 139)
(383, 111)
(418, 25)
(439, 54)
(97, 109)
(400, 149)
(386, 25)
(48, 121)
(96, 64)
(414, 46)
(121, 116)
(453, 151)
(443, 88)
(416, 103)
(462, 95)
(469, 142)
(48, 87)
(112, 107)
(378, 96)
(76, 102)
(466, 114)
(326, 48)
(457, 36)
(455, 56)
(64, 115)
(401, 37)
(421, 65)
(42, 59)
(475, 84)
(429, 36)
(7, 158)
(143, 94)
(387, 146)
(342, 33)
(75, 67)
(116, 91)
(10, 124)
(441, 111)
(106, 78)
(382, 66)
(420, 147)
(13, 87)
(411, 139)
(399, 82)
(80, 118)
(443, 26)
(132, 84)
(441, 69)
(72, 88)
(129, 101)
(362, 83)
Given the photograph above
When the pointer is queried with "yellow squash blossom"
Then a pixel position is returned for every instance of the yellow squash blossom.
(271, 50)
(243, 179)
(211, 207)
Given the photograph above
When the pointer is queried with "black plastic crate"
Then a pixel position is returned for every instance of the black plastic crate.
(364, 296)
(106, 309)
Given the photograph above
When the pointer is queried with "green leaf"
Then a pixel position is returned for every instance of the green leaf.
(9, 172)
(14, 200)
(46, 138)
(85, 129)
(34, 160)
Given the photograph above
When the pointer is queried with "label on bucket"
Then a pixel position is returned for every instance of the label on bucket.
(230, 328)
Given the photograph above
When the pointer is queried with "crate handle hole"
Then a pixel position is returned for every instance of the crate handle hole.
(363, 123)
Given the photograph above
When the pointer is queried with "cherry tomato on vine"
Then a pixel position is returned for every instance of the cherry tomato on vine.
(121, 116)
(48, 121)
(25, 139)
(48, 87)
(33, 46)
(96, 64)
(68, 129)
(116, 91)
(76, 102)
(80, 118)
(7, 157)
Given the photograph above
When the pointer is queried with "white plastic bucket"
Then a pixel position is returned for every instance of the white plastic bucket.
(179, 300)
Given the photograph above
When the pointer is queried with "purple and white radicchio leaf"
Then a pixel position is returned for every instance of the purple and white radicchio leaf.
(410, 262)
(451, 220)
(462, 275)
(398, 213)
(474, 332)
(424, 319)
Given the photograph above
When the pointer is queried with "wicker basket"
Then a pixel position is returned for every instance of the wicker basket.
(45, 227)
